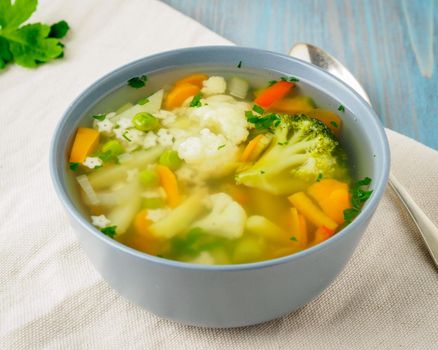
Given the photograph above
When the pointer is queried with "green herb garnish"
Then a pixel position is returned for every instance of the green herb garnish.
(138, 82)
(126, 137)
(239, 65)
(262, 172)
(290, 79)
(99, 116)
(31, 44)
(282, 143)
(334, 123)
(358, 198)
(319, 177)
(143, 101)
(271, 82)
(341, 108)
(220, 147)
(110, 231)
(258, 109)
(74, 166)
(265, 122)
(196, 101)
(105, 156)
(293, 238)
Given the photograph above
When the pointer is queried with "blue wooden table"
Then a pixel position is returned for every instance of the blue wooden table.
(389, 45)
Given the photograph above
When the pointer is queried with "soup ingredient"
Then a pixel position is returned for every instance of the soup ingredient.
(263, 227)
(302, 148)
(294, 105)
(85, 141)
(226, 218)
(138, 82)
(255, 147)
(148, 178)
(194, 79)
(214, 86)
(238, 87)
(31, 44)
(310, 211)
(110, 231)
(123, 214)
(88, 189)
(170, 159)
(141, 222)
(170, 185)
(332, 120)
(321, 234)
(298, 227)
(145, 121)
(179, 93)
(196, 101)
(273, 94)
(358, 197)
(332, 196)
(247, 250)
(179, 219)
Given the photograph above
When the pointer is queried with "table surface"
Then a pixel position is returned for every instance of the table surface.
(390, 46)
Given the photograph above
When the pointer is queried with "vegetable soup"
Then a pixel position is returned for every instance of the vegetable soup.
(213, 169)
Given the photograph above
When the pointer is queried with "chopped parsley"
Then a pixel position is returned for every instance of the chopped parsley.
(138, 82)
(334, 123)
(358, 197)
(291, 79)
(74, 166)
(283, 143)
(271, 82)
(239, 65)
(100, 116)
(143, 101)
(31, 44)
(319, 177)
(265, 122)
(110, 231)
(105, 156)
(293, 238)
(196, 101)
(220, 147)
(258, 109)
(341, 108)
(262, 172)
(126, 137)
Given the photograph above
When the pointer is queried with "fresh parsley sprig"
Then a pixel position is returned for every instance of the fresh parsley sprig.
(358, 197)
(31, 44)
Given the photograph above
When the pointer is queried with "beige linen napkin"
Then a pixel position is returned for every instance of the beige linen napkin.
(50, 295)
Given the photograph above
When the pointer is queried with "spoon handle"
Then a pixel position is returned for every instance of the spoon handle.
(428, 230)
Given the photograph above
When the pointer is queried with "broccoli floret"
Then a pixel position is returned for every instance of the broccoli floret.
(302, 151)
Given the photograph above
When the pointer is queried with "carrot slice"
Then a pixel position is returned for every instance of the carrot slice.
(170, 185)
(303, 228)
(332, 120)
(321, 234)
(273, 94)
(84, 143)
(195, 79)
(176, 97)
(311, 212)
(141, 223)
(294, 105)
(250, 147)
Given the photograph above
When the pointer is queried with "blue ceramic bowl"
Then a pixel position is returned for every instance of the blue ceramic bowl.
(228, 295)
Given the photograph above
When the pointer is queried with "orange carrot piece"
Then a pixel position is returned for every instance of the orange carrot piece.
(141, 223)
(321, 234)
(294, 105)
(84, 143)
(195, 79)
(332, 120)
(310, 211)
(238, 193)
(298, 227)
(249, 149)
(332, 196)
(273, 94)
(170, 185)
(176, 97)
(303, 228)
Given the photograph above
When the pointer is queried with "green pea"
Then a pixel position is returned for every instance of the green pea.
(148, 178)
(153, 203)
(145, 121)
(170, 159)
(113, 147)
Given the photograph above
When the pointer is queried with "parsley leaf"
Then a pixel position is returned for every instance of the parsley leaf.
(258, 109)
(196, 101)
(74, 166)
(319, 177)
(358, 197)
(294, 79)
(334, 123)
(31, 44)
(341, 108)
(59, 30)
(220, 147)
(110, 231)
(265, 122)
(138, 82)
(126, 137)
(293, 238)
(99, 117)
(271, 82)
(239, 64)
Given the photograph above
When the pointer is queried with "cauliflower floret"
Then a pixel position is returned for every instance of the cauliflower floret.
(125, 123)
(105, 126)
(165, 138)
(150, 140)
(223, 115)
(166, 117)
(100, 221)
(227, 218)
(92, 162)
(214, 86)
(209, 154)
(204, 258)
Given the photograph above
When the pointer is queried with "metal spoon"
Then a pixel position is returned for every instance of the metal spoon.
(324, 60)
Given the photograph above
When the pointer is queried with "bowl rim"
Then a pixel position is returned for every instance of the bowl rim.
(366, 212)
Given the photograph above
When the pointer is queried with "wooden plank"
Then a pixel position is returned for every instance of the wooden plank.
(391, 46)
